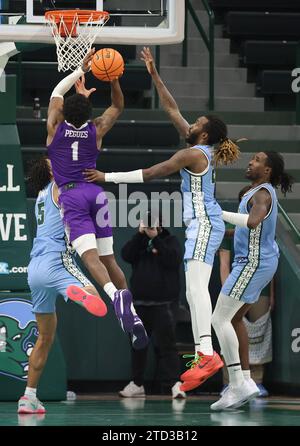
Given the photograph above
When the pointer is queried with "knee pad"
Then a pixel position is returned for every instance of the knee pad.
(84, 243)
(105, 246)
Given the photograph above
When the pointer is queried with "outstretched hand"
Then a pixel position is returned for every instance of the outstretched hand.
(87, 61)
(80, 87)
(149, 60)
(94, 176)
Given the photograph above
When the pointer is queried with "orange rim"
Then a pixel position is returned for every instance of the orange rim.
(82, 15)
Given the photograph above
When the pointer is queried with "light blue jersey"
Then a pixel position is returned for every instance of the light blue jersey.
(255, 253)
(201, 212)
(259, 243)
(50, 235)
(52, 267)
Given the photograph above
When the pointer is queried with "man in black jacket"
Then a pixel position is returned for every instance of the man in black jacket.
(155, 256)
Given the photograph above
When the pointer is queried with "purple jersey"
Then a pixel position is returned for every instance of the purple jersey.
(71, 151)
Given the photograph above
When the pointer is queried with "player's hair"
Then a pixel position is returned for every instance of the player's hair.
(39, 174)
(77, 109)
(227, 151)
(278, 175)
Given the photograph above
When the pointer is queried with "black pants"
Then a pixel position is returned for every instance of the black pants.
(159, 323)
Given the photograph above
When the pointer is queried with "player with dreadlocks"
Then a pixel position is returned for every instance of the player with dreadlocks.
(51, 270)
(255, 263)
(209, 147)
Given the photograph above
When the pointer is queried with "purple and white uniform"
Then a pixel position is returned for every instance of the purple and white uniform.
(71, 151)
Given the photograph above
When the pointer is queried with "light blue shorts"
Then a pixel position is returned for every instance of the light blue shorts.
(203, 239)
(247, 279)
(49, 275)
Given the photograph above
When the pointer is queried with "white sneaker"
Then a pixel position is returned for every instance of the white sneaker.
(236, 397)
(176, 392)
(224, 402)
(252, 385)
(132, 391)
(30, 405)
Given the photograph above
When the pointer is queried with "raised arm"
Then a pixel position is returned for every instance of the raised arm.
(55, 109)
(188, 158)
(105, 122)
(166, 99)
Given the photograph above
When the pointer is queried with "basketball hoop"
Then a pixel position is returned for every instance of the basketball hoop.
(74, 33)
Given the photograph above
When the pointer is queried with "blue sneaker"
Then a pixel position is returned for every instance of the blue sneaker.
(263, 393)
(122, 306)
(139, 335)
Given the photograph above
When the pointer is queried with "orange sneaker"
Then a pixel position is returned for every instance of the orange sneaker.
(190, 365)
(202, 367)
(93, 304)
(190, 385)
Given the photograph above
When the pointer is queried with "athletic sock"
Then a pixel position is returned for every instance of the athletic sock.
(197, 349)
(110, 290)
(236, 377)
(30, 392)
(247, 374)
(205, 346)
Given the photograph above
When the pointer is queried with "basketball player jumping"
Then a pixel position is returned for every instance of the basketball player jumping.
(255, 262)
(73, 144)
(203, 218)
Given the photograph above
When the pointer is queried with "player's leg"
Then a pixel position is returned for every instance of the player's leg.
(242, 335)
(43, 306)
(107, 257)
(46, 324)
(207, 362)
(241, 289)
(240, 390)
(80, 206)
(139, 337)
(71, 283)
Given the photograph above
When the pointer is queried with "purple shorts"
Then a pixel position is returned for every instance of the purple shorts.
(85, 210)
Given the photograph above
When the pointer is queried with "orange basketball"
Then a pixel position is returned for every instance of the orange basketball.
(107, 64)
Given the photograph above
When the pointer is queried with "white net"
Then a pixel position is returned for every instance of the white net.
(74, 39)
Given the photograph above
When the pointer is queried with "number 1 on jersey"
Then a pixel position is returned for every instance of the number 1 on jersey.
(74, 148)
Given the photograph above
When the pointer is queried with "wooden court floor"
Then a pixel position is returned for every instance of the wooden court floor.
(110, 410)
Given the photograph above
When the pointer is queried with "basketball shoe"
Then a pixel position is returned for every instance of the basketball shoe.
(139, 335)
(236, 396)
(122, 306)
(202, 367)
(191, 384)
(93, 304)
(30, 405)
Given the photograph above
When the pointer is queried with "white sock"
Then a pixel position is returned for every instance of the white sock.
(110, 290)
(236, 377)
(247, 374)
(193, 315)
(30, 392)
(197, 349)
(205, 346)
(197, 279)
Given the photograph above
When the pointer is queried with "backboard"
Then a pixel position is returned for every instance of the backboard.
(134, 22)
